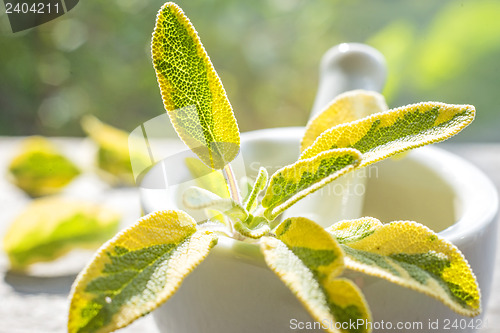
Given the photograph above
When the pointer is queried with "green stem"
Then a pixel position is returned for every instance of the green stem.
(234, 192)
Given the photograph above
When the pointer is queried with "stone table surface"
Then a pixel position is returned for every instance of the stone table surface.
(37, 302)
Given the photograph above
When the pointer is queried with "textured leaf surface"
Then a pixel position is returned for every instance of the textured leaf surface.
(40, 169)
(346, 107)
(192, 92)
(308, 260)
(385, 134)
(293, 182)
(410, 255)
(258, 186)
(136, 271)
(253, 227)
(51, 227)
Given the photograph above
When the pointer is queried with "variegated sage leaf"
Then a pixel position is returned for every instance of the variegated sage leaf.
(349, 106)
(388, 133)
(253, 227)
(309, 260)
(293, 182)
(113, 157)
(192, 92)
(51, 227)
(40, 169)
(411, 255)
(246, 186)
(258, 186)
(137, 271)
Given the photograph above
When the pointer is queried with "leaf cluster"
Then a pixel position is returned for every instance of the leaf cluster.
(141, 267)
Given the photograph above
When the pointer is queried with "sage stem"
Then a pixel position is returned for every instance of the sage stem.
(234, 191)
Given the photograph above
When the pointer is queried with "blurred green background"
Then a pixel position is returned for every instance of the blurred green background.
(96, 59)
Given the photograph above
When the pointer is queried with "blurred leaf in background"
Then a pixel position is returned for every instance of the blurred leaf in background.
(52, 226)
(113, 161)
(40, 168)
(96, 59)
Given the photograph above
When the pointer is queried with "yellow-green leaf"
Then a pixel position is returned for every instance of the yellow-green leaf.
(411, 255)
(253, 227)
(388, 133)
(293, 182)
(192, 92)
(246, 186)
(137, 271)
(258, 186)
(113, 158)
(346, 107)
(211, 180)
(40, 169)
(51, 227)
(308, 260)
(207, 178)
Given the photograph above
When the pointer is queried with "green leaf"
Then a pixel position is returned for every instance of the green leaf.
(207, 178)
(253, 227)
(211, 180)
(192, 92)
(51, 227)
(258, 186)
(411, 255)
(309, 260)
(137, 271)
(385, 134)
(349, 106)
(113, 158)
(246, 186)
(293, 182)
(198, 198)
(40, 169)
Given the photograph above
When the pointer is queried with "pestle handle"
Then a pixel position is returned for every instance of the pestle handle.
(349, 66)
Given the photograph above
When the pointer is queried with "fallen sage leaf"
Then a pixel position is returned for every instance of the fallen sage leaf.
(51, 227)
(113, 158)
(40, 169)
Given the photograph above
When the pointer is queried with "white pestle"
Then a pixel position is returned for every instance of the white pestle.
(344, 67)
(349, 66)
